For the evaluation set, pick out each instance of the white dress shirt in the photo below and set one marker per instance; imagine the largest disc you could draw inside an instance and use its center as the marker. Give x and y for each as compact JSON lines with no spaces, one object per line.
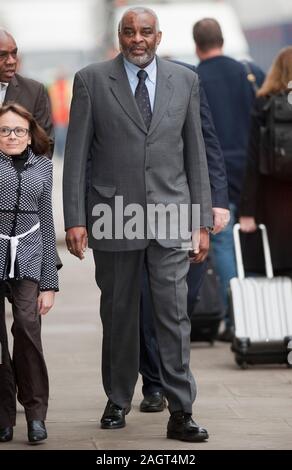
{"x":3,"y":89}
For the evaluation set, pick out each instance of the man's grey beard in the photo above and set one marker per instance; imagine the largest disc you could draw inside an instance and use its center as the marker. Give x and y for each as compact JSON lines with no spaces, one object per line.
{"x":140,"y":60}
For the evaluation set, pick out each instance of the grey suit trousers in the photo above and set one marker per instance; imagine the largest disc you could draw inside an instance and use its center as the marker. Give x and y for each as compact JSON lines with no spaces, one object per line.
{"x":119,"y":277}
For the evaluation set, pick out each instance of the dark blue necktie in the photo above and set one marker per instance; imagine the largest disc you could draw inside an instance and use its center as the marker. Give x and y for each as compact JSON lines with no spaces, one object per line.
{"x":142,"y":98}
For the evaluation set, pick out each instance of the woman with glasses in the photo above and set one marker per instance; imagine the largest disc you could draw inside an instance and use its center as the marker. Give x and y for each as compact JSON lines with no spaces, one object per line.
{"x":27,"y":263}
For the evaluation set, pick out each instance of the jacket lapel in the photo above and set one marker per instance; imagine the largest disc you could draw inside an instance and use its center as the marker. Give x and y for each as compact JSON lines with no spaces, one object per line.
{"x":163,"y":94}
{"x":31,"y":158}
{"x":121,"y":89}
{"x":13,"y":91}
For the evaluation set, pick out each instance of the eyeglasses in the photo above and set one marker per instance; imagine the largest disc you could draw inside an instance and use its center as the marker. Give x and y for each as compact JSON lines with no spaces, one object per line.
{"x":18,"y":131}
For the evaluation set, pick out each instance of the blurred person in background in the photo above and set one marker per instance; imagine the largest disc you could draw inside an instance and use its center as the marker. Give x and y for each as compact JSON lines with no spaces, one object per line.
{"x":27,"y":263}
{"x":230,"y":96}
{"x":60,"y":96}
{"x":267,"y":191}
{"x":27,"y":92}
{"x":152,"y":389}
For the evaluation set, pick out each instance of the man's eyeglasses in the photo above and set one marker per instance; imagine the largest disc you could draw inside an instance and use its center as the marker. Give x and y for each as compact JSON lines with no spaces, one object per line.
{"x":18,"y":131}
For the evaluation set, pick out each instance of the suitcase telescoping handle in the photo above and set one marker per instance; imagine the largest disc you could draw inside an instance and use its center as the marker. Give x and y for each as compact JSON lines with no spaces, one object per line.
{"x":238,"y":252}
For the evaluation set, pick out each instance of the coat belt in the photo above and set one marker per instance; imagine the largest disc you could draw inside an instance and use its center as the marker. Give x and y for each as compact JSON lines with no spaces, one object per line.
{"x":13,"y":246}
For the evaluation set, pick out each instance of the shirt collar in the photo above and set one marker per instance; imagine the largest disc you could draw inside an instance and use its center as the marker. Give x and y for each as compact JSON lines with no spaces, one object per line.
{"x":3,"y":86}
{"x":132,"y":69}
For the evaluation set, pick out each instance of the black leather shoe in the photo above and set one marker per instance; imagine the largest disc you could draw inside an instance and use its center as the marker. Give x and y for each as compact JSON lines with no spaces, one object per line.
{"x":182,"y":427}
{"x":226,"y":336}
{"x":36,"y":431}
{"x":6,"y":434}
{"x":153,"y":402}
{"x":113,"y":416}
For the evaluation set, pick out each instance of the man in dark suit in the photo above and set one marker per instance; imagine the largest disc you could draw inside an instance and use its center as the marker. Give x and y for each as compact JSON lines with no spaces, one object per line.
{"x":152,"y":389}
{"x":28,"y":93}
{"x":141,"y":129}
{"x":231,"y":95}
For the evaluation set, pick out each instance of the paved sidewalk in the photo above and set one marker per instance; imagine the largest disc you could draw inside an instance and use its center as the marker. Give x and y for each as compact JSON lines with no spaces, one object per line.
{"x":241,"y":409}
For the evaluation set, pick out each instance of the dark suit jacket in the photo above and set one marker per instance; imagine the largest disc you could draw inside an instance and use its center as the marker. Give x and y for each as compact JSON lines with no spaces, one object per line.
{"x":231,"y":97}
{"x":32,"y":95}
{"x":215,"y":159}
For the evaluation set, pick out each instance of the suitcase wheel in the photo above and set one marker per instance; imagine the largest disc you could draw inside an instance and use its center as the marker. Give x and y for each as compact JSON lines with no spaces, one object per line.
{"x":241,"y":363}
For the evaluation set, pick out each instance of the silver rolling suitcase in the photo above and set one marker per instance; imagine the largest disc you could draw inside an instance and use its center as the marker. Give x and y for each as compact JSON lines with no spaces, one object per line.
{"x":262,"y":312}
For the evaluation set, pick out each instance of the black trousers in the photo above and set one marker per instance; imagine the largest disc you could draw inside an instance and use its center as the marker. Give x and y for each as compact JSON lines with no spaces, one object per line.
{"x":149,"y":352}
{"x":26,"y":373}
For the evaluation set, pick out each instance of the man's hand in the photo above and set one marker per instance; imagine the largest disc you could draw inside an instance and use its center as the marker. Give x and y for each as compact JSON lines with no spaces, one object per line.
{"x":221,"y":218}
{"x":45,"y":301}
{"x":248,"y":224}
{"x":76,"y":240}
{"x":200,"y":243}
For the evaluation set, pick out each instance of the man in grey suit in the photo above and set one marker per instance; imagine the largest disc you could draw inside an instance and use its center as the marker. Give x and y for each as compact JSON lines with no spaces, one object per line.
{"x":135,"y":122}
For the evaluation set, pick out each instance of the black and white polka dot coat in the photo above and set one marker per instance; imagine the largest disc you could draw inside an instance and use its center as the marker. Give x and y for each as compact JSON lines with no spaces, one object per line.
{"x":25,"y":200}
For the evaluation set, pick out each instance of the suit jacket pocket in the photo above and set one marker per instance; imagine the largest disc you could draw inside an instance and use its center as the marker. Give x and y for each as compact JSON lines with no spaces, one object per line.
{"x":184,"y":182}
{"x":105,"y":191}
{"x":176,"y":111}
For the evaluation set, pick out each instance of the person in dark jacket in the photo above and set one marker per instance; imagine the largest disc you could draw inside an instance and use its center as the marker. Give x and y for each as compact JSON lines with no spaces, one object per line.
{"x":265,"y":198}
{"x":231,"y":97}
{"x":154,"y":399}
{"x":29,"y":93}
{"x":27,"y":263}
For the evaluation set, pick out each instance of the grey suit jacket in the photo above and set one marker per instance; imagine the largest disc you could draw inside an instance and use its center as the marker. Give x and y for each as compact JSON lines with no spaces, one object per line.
{"x":165,"y":165}
{"x":32,"y":95}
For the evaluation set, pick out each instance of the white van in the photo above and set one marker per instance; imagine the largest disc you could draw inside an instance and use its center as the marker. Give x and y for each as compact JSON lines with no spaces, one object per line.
{"x":176,"y":23}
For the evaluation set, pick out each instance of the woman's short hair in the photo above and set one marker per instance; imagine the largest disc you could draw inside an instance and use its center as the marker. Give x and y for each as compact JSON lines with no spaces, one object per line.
{"x":40,"y":143}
